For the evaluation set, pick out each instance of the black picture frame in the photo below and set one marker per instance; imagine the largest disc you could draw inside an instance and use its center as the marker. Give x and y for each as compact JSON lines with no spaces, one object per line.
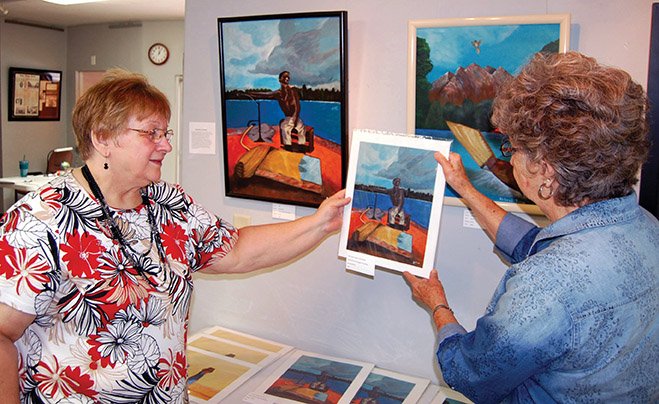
{"x":303,"y":166}
{"x":649,"y":192}
{"x":34,"y":94}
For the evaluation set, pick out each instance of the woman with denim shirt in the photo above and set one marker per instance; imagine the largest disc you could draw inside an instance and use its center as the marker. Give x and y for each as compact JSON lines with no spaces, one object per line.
{"x":574,"y":318}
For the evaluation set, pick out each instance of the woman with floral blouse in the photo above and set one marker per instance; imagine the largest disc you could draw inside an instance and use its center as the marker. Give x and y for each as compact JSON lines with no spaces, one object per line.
{"x":96,"y":267}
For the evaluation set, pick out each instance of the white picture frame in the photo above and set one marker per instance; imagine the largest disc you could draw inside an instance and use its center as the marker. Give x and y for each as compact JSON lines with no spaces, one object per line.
{"x":220,"y":360}
{"x":397,"y":387}
{"x":373,"y":232}
{"x":306,"y":376}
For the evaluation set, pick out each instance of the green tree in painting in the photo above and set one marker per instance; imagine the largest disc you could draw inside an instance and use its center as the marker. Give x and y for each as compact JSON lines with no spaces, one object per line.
{"x":423,"y":67}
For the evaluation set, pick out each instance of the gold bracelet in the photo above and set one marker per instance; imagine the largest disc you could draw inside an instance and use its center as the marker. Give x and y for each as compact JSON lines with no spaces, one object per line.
{"x":441,"y":306}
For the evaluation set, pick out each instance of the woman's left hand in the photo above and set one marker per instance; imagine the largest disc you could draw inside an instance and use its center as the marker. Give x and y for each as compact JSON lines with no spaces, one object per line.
{"x":330,"y":212}
{"x":429,"y":292}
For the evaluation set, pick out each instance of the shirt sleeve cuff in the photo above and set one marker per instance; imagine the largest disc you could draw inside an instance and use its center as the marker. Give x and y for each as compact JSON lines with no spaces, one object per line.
{"x":449,"y":330}
{"x":511,"y":231}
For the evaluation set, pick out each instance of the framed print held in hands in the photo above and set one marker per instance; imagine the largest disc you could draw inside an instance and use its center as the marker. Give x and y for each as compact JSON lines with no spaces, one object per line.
{"x":34,"y":95}
{"x":284,"y":106}
{"x":455,"y":68}
{"x":397,"y":192}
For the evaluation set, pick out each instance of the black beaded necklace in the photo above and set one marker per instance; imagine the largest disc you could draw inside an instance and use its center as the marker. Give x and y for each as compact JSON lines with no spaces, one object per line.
{"x":126,"y":249}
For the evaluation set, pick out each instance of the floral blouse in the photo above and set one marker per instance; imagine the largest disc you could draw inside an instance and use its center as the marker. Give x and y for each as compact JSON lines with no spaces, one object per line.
{"x":104,"y":331}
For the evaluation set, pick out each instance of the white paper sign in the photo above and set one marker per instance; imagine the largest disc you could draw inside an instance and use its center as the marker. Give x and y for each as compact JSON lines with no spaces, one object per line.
{"x":284,"y":212}
{"x":202,"y":138}
{"x":360,"y":264}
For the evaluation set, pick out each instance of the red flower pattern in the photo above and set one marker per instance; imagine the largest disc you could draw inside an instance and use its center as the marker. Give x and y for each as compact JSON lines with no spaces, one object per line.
{"x":62,"y":381}
{"x":104,"y":297}
{"x":171,"y":370}
{"x":81,"y":253}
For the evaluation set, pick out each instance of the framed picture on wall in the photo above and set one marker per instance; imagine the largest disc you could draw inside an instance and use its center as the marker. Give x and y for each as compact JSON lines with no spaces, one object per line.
{"x":34,"y":95}
{"x":284,"y":106}
{"x":397,"y":191}
{"x":455,"y":68}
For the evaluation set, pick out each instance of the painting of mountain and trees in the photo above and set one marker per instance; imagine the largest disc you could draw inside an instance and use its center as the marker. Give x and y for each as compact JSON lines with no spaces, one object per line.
{"x":455,"y":72}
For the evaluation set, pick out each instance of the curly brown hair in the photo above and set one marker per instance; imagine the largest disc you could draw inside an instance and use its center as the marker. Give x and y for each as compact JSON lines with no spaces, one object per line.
{"x":106,"y":107}
{"x":586,"y":120}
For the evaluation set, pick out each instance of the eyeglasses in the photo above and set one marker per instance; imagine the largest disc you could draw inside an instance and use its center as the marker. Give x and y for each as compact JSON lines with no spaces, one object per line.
{"x":507,"y":148}
{"x":156,"y":134}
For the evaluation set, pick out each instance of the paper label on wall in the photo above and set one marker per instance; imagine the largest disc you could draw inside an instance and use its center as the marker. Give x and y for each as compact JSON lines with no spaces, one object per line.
{"x":283,"y":212}
{"x":202,"y":138}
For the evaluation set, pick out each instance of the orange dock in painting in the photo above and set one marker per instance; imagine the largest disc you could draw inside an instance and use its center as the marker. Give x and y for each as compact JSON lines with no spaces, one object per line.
{"x":364,"y":237}
{"x":268,"y":186}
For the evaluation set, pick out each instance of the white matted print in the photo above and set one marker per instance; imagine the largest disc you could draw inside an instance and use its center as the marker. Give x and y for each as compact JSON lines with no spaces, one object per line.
{"x":446,"y":395}
{"x":397,"y":191}
{"x":221,"y":359}
{"x":308,"y":377}
{"x":212,"y":377}
{"x":248,"y":340}
{"x":390,"y":387}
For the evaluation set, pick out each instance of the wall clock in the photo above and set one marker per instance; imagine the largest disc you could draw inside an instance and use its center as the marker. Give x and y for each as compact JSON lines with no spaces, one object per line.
{"x":158,"y":54}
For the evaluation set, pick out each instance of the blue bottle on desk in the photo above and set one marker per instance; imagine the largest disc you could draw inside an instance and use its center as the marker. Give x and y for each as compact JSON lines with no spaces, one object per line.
{"x":24,"y":166}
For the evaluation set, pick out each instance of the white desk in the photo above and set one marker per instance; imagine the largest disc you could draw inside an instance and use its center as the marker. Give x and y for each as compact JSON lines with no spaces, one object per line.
{"x":22,"y":185}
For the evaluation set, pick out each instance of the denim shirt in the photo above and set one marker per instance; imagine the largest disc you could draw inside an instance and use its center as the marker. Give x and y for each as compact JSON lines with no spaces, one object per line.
{"x":574,"y":319}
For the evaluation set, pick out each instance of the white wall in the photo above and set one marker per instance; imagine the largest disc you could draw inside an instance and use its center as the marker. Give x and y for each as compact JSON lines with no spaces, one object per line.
{"x":70,"y":50}
{"x":36,"y":48}
{"x":127,"y":47}
{"x":313,"y":303}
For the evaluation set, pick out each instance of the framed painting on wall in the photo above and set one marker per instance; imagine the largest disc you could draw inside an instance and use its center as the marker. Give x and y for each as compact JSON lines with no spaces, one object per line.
{"x":397,"y":192}
{"x":455,"y":68}
{"x":34,"y":94}
{"x":284,"y":106}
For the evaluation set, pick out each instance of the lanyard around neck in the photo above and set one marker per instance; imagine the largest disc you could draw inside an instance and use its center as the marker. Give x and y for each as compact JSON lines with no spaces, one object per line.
{"x":117,"y":235}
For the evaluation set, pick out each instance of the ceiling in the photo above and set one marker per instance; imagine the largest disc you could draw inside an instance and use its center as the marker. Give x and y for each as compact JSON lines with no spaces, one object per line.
{"x":107,"y":11}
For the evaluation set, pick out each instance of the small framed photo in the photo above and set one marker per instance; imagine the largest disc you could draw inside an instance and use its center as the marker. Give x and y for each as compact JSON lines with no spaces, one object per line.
{"x":308,"y":377}
{"x":284,"y":105}
{"x":390,"y":387}
{"x":397,"y":191}
{"x":455,"y":68}
{"x":34,"y":94}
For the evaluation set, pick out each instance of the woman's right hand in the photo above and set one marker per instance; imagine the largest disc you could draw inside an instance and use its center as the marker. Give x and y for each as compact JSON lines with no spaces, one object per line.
{"x":454,"y":171}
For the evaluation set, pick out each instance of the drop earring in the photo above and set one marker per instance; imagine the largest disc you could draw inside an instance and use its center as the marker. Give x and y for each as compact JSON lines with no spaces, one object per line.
{"x":105,"y":165}
{"x":546,"y":190}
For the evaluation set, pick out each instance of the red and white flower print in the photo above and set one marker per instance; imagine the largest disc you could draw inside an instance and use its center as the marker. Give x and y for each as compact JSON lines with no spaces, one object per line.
{"x":104,"y":333}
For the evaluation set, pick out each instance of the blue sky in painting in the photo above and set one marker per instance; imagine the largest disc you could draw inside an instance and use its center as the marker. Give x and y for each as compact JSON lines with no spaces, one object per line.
{"x":255,"y":52}
{"x":379,"y":164}
{"x":507,"y":46}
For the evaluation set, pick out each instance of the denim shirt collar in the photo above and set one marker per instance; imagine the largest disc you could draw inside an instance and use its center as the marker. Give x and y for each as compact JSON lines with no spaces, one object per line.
{"x":593,"y":215}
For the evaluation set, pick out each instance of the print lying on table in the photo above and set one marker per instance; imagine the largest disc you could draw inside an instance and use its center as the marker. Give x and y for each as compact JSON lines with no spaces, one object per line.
{"x":385,"y":387}
{"x":397,"y":190}
{"x":220,"y":360}
{"x":312,"y":378}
